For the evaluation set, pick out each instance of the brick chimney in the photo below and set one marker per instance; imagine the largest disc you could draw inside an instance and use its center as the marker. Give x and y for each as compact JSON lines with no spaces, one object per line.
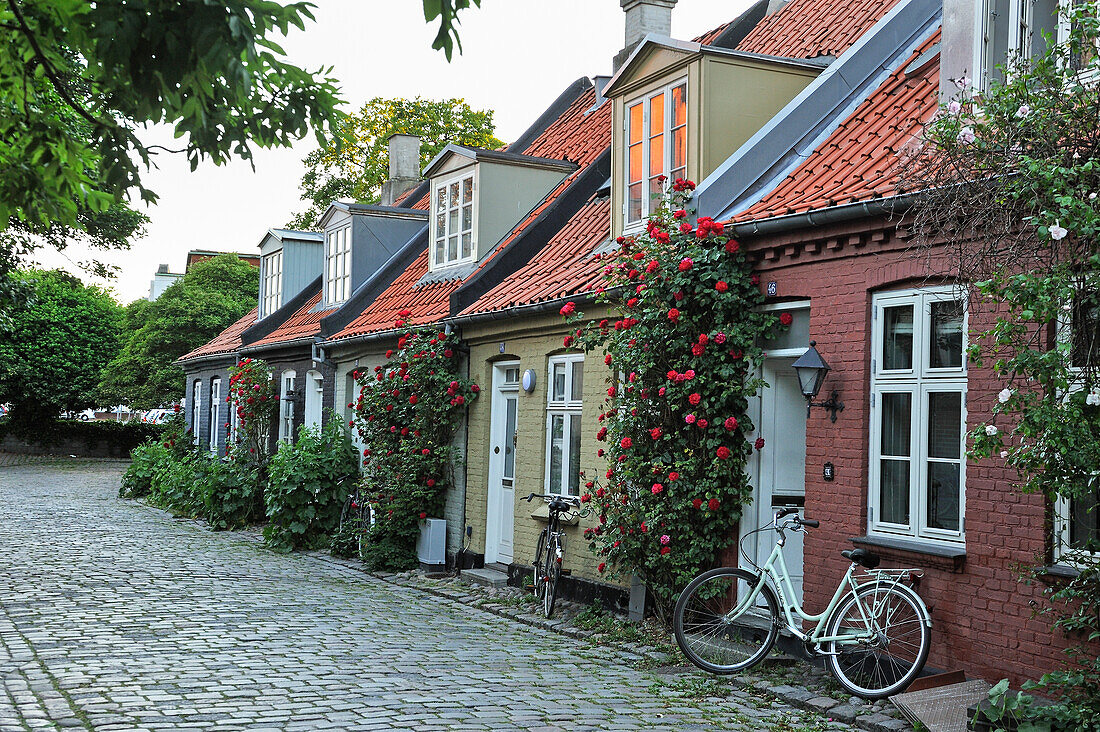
{"x":642,"y":18}
{"x":404,"y":167}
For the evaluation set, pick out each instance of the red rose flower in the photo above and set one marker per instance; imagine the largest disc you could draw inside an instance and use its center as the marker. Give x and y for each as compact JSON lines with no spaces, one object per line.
{"x":607,"y":359}
{"x":475,"y":388}
{"x":405,"y":313}
{"x":685,"y":228}
{"x":657,"y":488}
{"x":673,"y":476}
{"x":666,"y":549}
{"x":732,"y":246}
{"x":632,"y":302}
{"x":655,"y":433}
{"x":431,"y":482}
{"x":759,"y":444}
{"x":423,"y":515}
{"x":697,"y":503}
{"x":601,"y":567}
{"x":685,"y":264}
{"x":679,"y":214}
{"x":425,"y":451}
{"x":785,"y":318}
{"x":413,"y":399}
{"x":586,"y":498}
{"x":731,"y":423}
{"x":567,"y":341}
{"x":698,"y":349}
{"x":723,"y":453}
{"x":602,"y":434}
{"x":626,"y":443}
{"x":568,"y":308}
{"x":673,"y":315}
{"x":695,"y":399}
{"x":713,"y":504}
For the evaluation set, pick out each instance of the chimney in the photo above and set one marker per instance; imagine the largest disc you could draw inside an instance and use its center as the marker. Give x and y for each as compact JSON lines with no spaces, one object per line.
{"x":404,"y":167}
{"x":162,"y":269}
{"x":642,"y":18}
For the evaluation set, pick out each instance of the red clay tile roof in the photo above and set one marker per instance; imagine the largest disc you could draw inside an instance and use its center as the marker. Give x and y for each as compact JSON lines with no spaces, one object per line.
{"x":575,"y":135}
{"x":712,"y":35}
{"x":810,"y":28}
{"x":305,"y":322}
{"x":228,"y":341}
{"x":859,"y":160}
{"x":564,"y":267}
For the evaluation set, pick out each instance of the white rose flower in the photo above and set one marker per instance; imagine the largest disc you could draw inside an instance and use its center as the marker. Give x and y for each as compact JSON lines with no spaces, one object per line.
{"x":1004,"y":395}
{"x":1093,"y":399}
{"x":1057,"y":232}
{"x":966,"y":135}
{"x":954,"y":107}
{"x":1023,"y":111}
{"x":991,"y":429}
{"x":1004,"y":454}
{"x":1092,"y":196}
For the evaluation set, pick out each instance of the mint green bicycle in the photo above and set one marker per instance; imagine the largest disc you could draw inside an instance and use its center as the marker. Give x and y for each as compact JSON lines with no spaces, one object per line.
{"x":875,"y":634}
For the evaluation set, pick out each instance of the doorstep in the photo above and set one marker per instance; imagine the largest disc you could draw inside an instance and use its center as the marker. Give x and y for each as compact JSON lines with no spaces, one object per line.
{"x":487,"y":576}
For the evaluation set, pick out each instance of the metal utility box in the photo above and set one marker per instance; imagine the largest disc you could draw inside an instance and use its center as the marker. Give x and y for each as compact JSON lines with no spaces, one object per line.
{"x":431,"y":547}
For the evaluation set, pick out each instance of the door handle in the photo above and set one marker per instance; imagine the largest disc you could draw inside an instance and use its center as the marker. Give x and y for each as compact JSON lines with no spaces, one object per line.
{"x":496,"y":450}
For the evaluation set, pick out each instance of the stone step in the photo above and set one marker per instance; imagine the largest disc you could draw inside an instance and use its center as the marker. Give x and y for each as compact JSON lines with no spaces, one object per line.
{"x":487,"y":577}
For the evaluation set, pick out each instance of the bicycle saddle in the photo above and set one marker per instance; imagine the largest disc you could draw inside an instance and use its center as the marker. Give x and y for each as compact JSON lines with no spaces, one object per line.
{"x":862,"y":557}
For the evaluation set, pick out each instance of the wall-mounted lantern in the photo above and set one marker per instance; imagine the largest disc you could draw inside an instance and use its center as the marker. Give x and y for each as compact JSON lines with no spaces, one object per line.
{"x":812,"y":369}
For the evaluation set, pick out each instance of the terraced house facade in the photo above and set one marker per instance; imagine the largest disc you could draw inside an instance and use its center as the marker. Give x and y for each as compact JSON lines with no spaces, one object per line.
{"x":791,"y":118}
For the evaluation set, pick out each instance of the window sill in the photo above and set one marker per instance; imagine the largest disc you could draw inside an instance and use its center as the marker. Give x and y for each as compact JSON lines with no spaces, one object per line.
{"x":938,"y":556}
{"x":1058,"y":572}
{"x":542,"y":513}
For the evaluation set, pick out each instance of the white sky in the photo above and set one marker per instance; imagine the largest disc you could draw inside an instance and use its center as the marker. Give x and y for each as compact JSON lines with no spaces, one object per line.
{"x":518,"y":56}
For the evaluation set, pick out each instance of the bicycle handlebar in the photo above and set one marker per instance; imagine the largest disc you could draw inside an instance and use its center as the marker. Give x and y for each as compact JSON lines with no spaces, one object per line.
{"x":572,"y":500}
{"x":799,"y":521}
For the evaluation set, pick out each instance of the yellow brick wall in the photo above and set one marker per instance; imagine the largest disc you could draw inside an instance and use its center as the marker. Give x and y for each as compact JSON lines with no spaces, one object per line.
{"x":531,"y":341}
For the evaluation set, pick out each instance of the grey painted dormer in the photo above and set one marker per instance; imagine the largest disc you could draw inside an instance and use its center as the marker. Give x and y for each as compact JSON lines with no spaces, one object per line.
{"x":289,"y":261}
{"x":358,"y":239}
{"x":477,"y":197}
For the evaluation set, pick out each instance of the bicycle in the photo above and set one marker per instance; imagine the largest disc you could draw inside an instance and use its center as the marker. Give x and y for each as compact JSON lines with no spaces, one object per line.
{"x":548,"y":569}
{"x":356,"y":518}
{"x":875,"y":633}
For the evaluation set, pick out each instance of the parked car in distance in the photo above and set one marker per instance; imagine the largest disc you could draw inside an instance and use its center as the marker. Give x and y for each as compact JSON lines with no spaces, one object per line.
{"x":82,"y":416}
{"x":157,"y":416}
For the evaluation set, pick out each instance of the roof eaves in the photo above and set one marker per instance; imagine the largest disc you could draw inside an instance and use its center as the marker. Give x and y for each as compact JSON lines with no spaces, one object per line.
{"x":449,"y":149}
{"x":651,"y":39}
{"x":755,"y":168}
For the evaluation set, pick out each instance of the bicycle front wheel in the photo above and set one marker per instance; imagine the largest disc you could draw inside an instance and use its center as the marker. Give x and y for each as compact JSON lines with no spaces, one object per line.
{"x":890,"y":640}
{"x":552,"y":575}
{"x":541,"y":551}
{"x":720,"y":626}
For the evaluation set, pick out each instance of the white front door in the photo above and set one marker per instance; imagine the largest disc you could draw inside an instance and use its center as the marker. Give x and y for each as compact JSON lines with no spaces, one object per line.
{"x":780,"y":472}
{"x":500,"y":513}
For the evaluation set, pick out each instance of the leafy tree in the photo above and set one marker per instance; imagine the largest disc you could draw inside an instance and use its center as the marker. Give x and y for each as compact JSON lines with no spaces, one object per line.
{"x":51,"y":357}
{"x":211,"y":296}
{"x":1009,"y":182}
{"x":78,"y":80}
{"x":354,"y":161}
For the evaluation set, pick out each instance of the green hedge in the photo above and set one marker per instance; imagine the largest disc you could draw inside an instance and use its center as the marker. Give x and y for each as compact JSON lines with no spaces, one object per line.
{"x":104,"y":439}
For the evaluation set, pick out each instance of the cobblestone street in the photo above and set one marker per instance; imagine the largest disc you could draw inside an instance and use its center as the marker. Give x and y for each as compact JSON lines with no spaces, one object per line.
{"x":115,"y":616}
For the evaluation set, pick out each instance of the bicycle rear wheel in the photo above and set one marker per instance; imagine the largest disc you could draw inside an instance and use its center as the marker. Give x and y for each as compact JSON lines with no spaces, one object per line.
{"x":710,"y":630}
{"x":552,"y":575}
{"x":540,"y":567}
{"x":890,"y":640}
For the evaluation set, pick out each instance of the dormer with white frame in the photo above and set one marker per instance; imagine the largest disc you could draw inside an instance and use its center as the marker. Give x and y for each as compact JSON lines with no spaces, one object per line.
{"x":477,"y":197}
{"x":358,"y":239}
{"x":289,"y":261}
{"x":682,"y":108}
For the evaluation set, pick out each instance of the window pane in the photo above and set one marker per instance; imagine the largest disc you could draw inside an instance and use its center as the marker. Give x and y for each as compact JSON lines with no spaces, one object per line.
{"x":558,"y":392}
{"x":452,"y":223}
{"x":679,"y":105}
{"x":943,"y":496}
{"x":454,"y":196}
{"x":635,"y":163}
{"x":945,"y":425}
{"x":439,"y":253}
{"x":656,"y":155}
{"x":634,"y":202}
{"x":894,"y":495}
{"x":897,"y":338}
{"x":1044,"y":18}
{"x":467,"y":245}
{"x":897,"y":410}
{"x":1086,"y":331}
{"x":635,"y":133}
{"x":467,"y":218}
{"x":509,"y":438}
{"x":441,"y":199}
{"x":656,"y":115}
{"x":1084,"y":528}
{"x":440,"y":226}
{"x":574,"y":454}
{"x":468,"y":190}
{"x":945,"y":342}
{"x":557,"y":441}
{"x":452,"y":249}
{"x":576,"y":389}
{"x":679,"y":148}
{"x":997,"y":23}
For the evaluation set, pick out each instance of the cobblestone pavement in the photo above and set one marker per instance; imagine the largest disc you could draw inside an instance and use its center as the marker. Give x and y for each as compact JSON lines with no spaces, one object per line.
{"x":115,"y":616}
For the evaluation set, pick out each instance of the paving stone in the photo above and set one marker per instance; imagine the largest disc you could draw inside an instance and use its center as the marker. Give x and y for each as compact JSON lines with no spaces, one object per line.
{"x":116,"y":616}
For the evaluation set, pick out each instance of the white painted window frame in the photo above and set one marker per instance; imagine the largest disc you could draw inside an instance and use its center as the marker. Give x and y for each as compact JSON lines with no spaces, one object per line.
{"x":287,"y":381}
{"x":445,"y":183}
{"x":919,"y":381}
{"x":196,"y":412}
{"x":630,"y":225}
{"x":272,"y":297}
{"x":565,"y":408}
{"x":1019,"y":40}
{"x":215,"y":413}
{"x":337,"y":264}
{"x":315,"y":386}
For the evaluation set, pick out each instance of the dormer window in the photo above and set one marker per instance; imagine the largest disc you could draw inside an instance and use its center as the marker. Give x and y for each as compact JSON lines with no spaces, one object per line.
{"x":1012,"y":29}
{"x":272,"y":296}
{"x":656,"y":139}
{"x":337,"y":265}
{"x":453,"y":204}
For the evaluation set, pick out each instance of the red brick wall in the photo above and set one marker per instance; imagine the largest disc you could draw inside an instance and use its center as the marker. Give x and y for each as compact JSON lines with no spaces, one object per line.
{"x":982,"y":612}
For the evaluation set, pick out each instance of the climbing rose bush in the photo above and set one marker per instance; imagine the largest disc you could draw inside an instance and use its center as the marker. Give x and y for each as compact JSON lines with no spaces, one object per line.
{"x":253,"y":396}
{"x":407,"y":413}
{"x":684,"y":351}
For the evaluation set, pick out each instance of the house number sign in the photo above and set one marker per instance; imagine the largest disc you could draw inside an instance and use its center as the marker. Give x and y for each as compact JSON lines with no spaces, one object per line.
{"x":828,"y":472}
{"x":773,"y":289}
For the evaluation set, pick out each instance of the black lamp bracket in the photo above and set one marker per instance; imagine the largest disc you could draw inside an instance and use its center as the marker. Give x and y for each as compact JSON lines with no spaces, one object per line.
{"x":832,"y":405}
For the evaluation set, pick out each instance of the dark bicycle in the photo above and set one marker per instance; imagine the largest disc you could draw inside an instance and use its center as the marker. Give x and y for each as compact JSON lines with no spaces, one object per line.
{"x":550,"y":549}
